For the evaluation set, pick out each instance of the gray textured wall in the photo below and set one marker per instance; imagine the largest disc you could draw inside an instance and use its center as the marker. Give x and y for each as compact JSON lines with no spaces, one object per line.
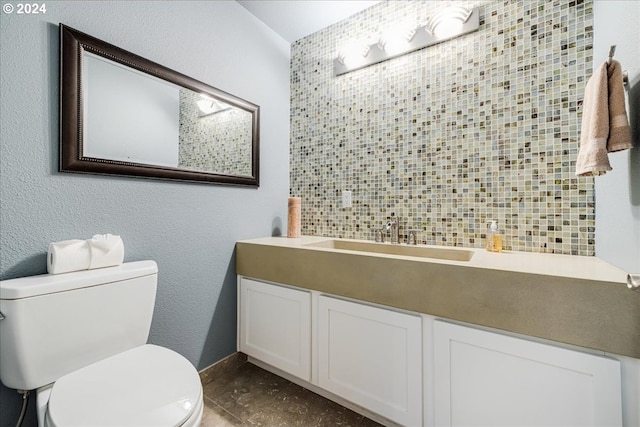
{"x":189,"y":229}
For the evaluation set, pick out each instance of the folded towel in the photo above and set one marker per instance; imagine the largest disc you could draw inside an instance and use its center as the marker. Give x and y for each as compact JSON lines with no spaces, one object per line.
{"x":604,"y":121}
{"x":619,"y":130}
{"x":102,"y":250}
{"x":68,"y":255}
{"x":105,"y":250}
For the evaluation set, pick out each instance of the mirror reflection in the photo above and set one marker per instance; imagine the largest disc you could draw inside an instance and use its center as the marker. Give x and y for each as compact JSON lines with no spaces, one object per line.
{"x":131,"y":116}
{"x":214,"y":136}
{"x":134,"y":117}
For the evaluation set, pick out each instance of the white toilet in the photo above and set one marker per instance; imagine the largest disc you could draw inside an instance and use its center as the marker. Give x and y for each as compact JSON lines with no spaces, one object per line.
{"x":80,"y":339}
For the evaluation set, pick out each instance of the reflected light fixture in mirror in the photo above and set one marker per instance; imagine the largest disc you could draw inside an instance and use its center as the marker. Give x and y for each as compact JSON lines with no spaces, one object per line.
{"x":208,"y":106}
{"x":448,"y":23}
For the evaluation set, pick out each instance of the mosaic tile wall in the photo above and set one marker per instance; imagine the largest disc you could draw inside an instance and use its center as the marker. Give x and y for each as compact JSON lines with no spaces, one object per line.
{"x":219,"y":142}
{"x":447,"y":138}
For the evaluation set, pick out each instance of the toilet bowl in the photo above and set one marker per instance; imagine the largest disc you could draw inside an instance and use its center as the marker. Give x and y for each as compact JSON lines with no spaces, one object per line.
{"x":79,"y":339}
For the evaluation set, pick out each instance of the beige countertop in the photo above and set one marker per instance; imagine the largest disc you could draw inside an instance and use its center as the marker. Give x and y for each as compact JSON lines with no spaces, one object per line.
{"x":576,"y":300}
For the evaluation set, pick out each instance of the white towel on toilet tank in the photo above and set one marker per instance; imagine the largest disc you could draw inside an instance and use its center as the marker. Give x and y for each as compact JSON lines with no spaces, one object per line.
{"x":68,"y":255}
{"x":105,"y":250}
{"x":102,"y":250}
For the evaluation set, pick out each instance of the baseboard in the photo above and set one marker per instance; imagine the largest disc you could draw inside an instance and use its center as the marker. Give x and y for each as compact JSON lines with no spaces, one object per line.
{"x":227,"y":365}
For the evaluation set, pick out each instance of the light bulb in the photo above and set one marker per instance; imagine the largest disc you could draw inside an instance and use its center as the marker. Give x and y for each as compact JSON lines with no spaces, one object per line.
{"x":396,"y":40}
{"x":448,"y":22}
{"x":353,"y":54}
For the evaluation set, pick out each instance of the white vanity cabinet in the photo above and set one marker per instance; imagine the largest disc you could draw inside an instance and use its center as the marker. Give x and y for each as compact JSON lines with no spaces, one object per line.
{"x":274,"y":325}
{"x":417,"y":370}
{"x":371,"y":356}
{"x":485,"y":378}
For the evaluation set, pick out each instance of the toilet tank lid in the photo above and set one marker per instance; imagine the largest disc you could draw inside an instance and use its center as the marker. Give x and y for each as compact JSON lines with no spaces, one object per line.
{"x":25,"y":287}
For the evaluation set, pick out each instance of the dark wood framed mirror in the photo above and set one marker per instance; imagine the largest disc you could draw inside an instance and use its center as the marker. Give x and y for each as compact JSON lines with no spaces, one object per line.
{"x":121,"y":114}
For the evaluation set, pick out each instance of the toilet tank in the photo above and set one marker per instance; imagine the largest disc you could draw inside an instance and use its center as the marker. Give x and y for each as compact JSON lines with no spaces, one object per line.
{"x":56,"y":324}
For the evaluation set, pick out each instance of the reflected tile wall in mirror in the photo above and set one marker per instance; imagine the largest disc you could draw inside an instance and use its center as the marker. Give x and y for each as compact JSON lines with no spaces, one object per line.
{"x":218,"y":142}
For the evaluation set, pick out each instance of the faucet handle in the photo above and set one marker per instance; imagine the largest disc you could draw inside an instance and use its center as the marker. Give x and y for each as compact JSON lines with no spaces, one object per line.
{"x":412,"y":237}
{"x":379,"y":235}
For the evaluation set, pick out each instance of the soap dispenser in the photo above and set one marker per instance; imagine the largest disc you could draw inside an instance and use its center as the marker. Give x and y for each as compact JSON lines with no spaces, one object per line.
{"x":494,"y":238}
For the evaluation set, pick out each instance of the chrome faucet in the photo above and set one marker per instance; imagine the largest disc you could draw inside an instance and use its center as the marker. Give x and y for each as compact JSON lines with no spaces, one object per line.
{"x":393,"y":228}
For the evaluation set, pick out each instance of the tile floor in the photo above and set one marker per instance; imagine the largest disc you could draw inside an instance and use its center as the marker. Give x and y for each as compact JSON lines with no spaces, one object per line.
{"x":251,"y":396}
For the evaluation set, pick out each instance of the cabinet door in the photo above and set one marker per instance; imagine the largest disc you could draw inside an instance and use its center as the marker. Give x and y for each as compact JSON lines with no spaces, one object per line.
{"x":372,"y":357}
{"x":275,"y":326}
{"x":489,"y":379}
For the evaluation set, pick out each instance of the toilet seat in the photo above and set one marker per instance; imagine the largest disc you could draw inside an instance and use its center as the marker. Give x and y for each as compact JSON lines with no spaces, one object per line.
{"x":144,"y":386}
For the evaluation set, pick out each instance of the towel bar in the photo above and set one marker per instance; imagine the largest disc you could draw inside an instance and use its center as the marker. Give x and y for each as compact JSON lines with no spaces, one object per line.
{"x":625,"y":74}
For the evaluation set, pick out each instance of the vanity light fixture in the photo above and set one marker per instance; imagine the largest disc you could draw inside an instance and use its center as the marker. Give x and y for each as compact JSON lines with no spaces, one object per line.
{"x":396,"y":40}
{"x":208,"y":106}
{"x":448,"y":23}
{"x":353,"y":55}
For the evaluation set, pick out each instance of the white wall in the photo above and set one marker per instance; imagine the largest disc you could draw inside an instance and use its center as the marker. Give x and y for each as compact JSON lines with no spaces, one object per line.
{"x":189,"y":229}
{"x":618,"y":192}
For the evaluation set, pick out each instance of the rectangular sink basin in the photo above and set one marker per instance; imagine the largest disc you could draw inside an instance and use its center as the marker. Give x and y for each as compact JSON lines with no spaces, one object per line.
{"x":391,"y":249}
